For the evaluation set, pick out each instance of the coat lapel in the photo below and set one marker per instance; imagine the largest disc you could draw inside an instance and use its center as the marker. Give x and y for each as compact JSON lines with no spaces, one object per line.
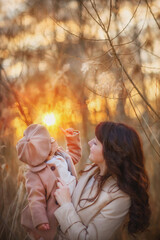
{"x":47,"y":176}
{"x":51,"y":179}
{"x":81,"y":185}
{"x":38,"y":168}
{"x":104,"y":198}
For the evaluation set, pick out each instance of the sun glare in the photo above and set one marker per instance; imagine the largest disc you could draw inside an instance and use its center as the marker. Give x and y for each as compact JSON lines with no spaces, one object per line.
{"x":49,"y":119}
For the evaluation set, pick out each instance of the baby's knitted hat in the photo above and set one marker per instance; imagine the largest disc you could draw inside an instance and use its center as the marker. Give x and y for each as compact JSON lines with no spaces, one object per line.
{"x":35,"y":146}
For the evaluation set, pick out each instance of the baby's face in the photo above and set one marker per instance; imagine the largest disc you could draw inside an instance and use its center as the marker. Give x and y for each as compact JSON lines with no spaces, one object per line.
{"x":54,"y":146}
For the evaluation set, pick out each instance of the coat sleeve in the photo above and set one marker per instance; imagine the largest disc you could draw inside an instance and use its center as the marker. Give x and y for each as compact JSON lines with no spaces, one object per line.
{"x":36,"y":198}
{"x":74,"y":146}
{"x":101,"y":227}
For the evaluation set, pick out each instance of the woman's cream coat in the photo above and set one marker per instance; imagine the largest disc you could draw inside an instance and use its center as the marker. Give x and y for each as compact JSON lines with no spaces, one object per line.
{"x":98,"y":221}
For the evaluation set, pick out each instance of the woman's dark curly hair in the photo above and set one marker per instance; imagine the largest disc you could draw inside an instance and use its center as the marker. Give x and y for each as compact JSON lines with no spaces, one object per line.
{"x":122,"y":150}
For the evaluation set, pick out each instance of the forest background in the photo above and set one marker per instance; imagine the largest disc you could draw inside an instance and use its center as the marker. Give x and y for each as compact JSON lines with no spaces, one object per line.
{"x":73,"y":64}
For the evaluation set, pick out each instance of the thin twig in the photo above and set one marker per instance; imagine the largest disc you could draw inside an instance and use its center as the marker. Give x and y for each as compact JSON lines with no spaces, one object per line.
{"x":153,"y":54}
{"x":91,"y":39}
{"x":152,"y":14}
{"x":134,"y":109}
{"x":14,"y":93}
{"x":77,"y":36}
{"x":137,"y":35}
{"x":130,"y":79}
{"x":131,"y":102}
{"x":128,"y":21}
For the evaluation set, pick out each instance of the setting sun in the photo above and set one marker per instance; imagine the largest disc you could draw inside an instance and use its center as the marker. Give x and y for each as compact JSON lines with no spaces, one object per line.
{"x":49,"y":119}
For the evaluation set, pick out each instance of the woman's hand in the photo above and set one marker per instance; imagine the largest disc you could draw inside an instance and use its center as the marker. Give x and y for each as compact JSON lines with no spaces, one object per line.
{"x":62,"y":193}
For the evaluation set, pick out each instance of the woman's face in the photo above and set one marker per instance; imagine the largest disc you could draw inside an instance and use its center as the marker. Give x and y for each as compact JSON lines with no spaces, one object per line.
{"x":96,"y":148}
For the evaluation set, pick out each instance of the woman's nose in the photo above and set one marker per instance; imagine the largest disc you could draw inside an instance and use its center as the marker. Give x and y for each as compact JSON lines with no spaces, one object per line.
{"x":90,"y":143}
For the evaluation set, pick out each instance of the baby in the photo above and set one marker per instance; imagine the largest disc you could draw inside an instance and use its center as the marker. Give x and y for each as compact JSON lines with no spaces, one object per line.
{"x":46,"y":161}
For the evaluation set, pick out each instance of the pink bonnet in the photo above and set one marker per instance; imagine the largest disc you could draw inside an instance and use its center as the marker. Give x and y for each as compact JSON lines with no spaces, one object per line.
{"x":35,"y":146}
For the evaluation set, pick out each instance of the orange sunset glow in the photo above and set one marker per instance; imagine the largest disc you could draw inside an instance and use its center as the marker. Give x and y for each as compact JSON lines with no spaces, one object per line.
{"x":74,"y":64}
{"x":49,"y":119}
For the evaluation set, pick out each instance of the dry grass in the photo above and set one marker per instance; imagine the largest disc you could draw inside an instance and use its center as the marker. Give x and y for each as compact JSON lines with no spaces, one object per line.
{"x":12,"y":194}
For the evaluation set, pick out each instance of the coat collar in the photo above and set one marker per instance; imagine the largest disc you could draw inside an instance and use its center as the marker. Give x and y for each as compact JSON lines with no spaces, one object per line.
{"x":109,"y":186}
{"x":38,"y":168}
{"x":81,"y":185}
{"x":71,"y":166}
{"x":47,"y":176}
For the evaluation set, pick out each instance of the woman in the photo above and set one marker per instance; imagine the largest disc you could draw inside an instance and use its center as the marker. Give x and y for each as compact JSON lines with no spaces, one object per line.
{"x":111,"y":191}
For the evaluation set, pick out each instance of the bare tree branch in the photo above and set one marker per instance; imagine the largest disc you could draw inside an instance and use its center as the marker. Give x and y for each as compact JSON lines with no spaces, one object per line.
{"x":75,"y":35}
{"x":134,"y":13}
{"x":152,"y":14}
{"x":14,"y":93}
{"x":145,"y":132}
{"x":123,"y":68}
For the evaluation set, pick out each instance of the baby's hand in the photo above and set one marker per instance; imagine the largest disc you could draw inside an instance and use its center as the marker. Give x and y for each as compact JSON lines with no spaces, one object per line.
{"x":69,"y":132}
{"x":43,"y":226}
